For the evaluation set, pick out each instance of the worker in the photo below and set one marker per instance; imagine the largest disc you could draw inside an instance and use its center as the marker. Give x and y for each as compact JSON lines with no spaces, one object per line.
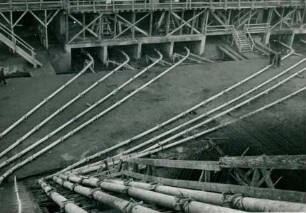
{"x":2,"y":77}
{"x":278,"y":60}
{"x":272,"y":58}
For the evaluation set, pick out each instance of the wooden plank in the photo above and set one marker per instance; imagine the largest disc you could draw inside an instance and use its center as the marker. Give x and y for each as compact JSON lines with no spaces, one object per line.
{"x":247,"y":191}
{"x":183,"y":164}
{"x":263,"y":161}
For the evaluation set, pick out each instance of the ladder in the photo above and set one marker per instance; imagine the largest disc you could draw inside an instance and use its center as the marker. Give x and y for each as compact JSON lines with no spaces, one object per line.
{"x":241,"y":41}
{"x":17,"y":45}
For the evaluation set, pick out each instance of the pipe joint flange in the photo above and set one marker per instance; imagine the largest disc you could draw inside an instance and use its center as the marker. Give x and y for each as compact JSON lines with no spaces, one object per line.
{"x":153,"y":186}
{"x":64,"y":203}
{"x":160,"y":145}
{"x":127,"y":182}
{"x":128,"y":208}
{"x":50,"y":191}
{"x":182,"y":204}
{"x":233,"y":200}
{"x":82,"y":179}
{"x":101,"y":180}
{"x":73,"y":186}
{"x":93,"y":191}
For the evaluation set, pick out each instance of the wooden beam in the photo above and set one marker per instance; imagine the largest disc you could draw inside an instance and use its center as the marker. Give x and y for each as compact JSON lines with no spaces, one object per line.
{"x":263,"y":193}
{"x":263,"y":161}
{"x":183,"y":164}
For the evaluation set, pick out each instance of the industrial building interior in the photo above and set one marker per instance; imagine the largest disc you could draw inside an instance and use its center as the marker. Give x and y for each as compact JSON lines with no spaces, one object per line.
{"x":146,"y":106}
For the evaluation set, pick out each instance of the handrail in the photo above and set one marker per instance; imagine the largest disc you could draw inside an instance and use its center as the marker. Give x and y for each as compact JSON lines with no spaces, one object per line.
{"x":15,"y":38}
{"x":235,"y":34}
{"x":250,"y":37}
{"x":133,"y":5}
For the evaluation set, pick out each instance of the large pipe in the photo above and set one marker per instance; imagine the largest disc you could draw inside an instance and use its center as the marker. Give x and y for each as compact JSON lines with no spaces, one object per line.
{"x":229,"y":110}
{"x":176,"y":143}
{"x":62,"y":108}
{"x":101,"y":164}
{"x":245,"y":94}
{"x":77,"y":129}
{"x":75,"y":118}
{"x":178,"y":203}
{"x":29,"y":113}
{"x":60,"y":200}
{"x":98,"y":195}
{"x":17,"y":195}
{"x":236,"y":201}
{"x":159,"y":126}
{"x":119,"y":145}
{"x":161,"y":143}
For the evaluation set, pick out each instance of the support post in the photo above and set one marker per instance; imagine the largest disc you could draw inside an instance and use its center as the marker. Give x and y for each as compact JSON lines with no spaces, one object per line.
{"x":103,"y":54}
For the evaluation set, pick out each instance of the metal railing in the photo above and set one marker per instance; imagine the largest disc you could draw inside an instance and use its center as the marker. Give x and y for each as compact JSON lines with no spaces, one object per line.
{"x":115,"y":5}
{"x":16,"y":40}
{"x":257,"y":28}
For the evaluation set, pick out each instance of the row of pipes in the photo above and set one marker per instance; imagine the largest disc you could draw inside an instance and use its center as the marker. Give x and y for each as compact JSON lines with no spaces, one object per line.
{"x":140,"y":190}
{"x":86,"y":123}
{"x":171,"y":120}
{"x":214,"y":202}
{"x":160,"y":144}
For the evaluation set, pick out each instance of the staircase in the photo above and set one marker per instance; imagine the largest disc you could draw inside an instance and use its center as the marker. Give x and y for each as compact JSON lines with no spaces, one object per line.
{"x":241,"y":41}
{"x":18,"y":45}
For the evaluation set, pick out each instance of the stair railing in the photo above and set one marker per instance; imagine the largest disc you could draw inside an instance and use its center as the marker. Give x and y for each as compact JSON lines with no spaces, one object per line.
{"x":236,"y":39}
{"x":16,"y":40}
{"x":250,"y":38}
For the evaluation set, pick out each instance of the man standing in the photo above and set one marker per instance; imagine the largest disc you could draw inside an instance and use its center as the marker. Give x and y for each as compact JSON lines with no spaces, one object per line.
{"x":2,"y":77}
{"x":278,"y":59}
{"x":272,"y":58}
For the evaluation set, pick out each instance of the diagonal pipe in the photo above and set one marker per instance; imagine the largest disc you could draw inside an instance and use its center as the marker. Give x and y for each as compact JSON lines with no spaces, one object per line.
{"x":154,"y":139}
{"x":102,"y":197}
{"x":160,"y":145}
{"x":159,"y":126}
{"x":40,"y":141}
{"x":176,"y":203}
{"x":227,"y":111}
{"x":61,"y":201}
{"x":62,"y":108}
{"x":34,"y":109}
{"x":94,"y":118}
{"x":249,"y":203}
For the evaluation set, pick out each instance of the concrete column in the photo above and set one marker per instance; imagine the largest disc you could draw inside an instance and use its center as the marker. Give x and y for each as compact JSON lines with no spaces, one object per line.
{"x":60,"y":27}
{"x":64,"y":62}
{"x":291,"y":39}
{"x":136,"y":51}
{"x":167,"y":49}
{"x":199,"y":46}
{"x":103,"y":54}
{"x":266,"y":39}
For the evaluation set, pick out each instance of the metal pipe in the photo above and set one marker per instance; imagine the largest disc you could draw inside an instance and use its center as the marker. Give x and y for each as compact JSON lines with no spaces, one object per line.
{"x":119,"y":145}
{"x":161,"y":143}
{"x":29,"y":113}
{"x":236,"y":201}
{"x":177,"y":203}
{"x":128,"y":141}
{"x":220,"y":107}
{"x":101,"y":164}
{"x":69,"y":134}
{"x":60,"y":200}
{"x":134,"y":148}
{"x":17,"y":195}
{"x":115,"y":202}
{"x":46,"y":120}
{"x":161,"y":148}
{"x":40,"y":141}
